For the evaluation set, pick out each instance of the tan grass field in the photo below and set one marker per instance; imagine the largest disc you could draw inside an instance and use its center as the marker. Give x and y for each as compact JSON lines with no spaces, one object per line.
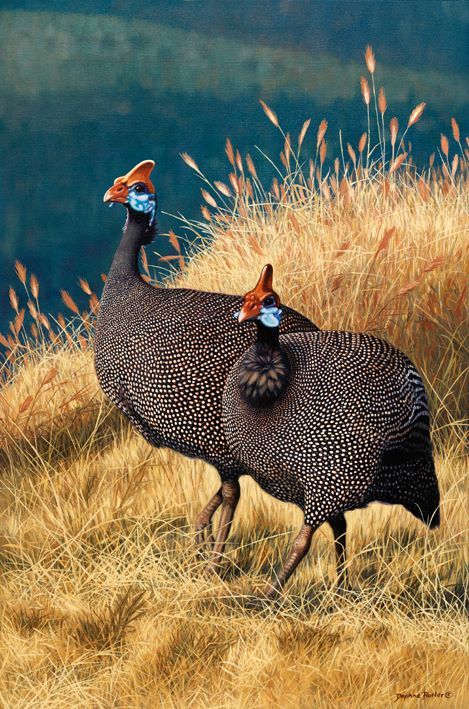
{"x":104,"y":599}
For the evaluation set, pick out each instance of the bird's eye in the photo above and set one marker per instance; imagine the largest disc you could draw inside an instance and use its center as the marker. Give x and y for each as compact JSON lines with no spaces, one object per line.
{"x":269,"y":301}
{"x":139,"y":188}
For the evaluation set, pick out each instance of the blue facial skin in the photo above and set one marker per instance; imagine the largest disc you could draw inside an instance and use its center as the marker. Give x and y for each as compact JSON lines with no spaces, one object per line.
{"x":270,"y":317}
{"x":141,"y":201}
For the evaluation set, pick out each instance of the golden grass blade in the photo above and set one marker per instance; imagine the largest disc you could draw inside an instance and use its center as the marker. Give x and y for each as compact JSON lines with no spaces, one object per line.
{"x":230,"y":152}
{"x":444,"y":145}
{"x":408,"y":287}
{"x":382,"y":103}
{"x":394,"y":128}
{"x":323,"y":152}
{"x":303,"y":131}
{"x":388,"y":234}
{"x":434,"y":263}
{"x":321,"y":132}
{"x":69,"y":302}
{"x":251,"y":167}
{"x":143,"y":257}
{"x":18,"y":322}
{"x":208,"y":198}
{"x":84,"y":285}
{"x":365,"y":89}
{"x":44,"y":320}
{"x":94,"y":304}
{"x":21,"y":272}
{"x":239,"y":161}
{"x":397,"y":163}
{"x":49,"y":376}
{"x":34,"y":285}
{"x":423,"y":189}
{"x":174,"y":241}
{"x":32,"y":310}
{"x":455,"y":128}
{"x":271,"y":115}
{"x":352,"y":154}
{"x":362,"y":143}
{"x":13,"y":299}
{"x":205,"y":213}
{"x":191,"y":162}
{"x":416,"y":114}
{"x":234,"y":182}
{"x":454,"y":166}
{"x":370,"y":59}
{"x":24,"y":406}
{"x":222,"y":188}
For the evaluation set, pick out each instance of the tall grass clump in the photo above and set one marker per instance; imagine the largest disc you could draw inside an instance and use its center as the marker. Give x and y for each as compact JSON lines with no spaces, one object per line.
{"x":104,"y":601}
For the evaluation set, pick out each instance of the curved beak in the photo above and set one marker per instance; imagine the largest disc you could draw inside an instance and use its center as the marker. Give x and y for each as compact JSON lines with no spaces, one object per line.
{"x":117,"y":193}
{"x":249,"y":311}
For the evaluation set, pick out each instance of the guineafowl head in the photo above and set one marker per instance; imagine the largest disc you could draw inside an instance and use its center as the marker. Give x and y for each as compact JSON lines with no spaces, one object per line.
{"x":135,"y":190}
{"x":262,"y":303}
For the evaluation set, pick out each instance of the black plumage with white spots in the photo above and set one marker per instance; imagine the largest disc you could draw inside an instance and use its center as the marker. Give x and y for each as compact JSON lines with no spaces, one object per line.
{"x":162,"y":355}
{"x":348,"y":424}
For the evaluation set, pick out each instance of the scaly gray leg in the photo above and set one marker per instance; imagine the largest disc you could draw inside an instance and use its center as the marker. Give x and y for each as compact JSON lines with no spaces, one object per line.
{"x":339,"y":527}
{"x":298,"y":551}
{"x":204,"y":518}
{"x":230,"y":492}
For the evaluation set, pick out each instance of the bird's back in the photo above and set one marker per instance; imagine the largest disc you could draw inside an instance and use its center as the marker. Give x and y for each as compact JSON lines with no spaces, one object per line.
{"x":351,"y":398}
{"x":163,"y":357}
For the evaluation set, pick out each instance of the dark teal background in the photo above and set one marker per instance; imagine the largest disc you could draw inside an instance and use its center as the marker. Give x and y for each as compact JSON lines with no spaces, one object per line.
{"x":87,"y":89}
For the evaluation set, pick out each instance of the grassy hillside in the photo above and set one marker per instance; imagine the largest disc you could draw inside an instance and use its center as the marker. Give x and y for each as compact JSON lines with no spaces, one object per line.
{"x":105,"y":602}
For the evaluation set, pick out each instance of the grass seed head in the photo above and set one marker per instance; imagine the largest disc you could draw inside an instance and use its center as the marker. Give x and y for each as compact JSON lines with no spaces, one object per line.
{"x":416,"y":114}
{"x":365,"y":89}
{"x":370,"y":59}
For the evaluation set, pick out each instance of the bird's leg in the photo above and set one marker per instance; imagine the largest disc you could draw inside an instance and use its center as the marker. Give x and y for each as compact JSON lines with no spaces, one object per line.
{"x":339,"y":528}
{"x":230,"y":492}
{"x":204,"y":518}
{"x":298,"y":551}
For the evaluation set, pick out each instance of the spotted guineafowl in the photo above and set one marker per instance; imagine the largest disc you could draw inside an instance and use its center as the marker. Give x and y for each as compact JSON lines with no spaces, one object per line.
{"x":330,"y":421}
{"x":162,"y":354}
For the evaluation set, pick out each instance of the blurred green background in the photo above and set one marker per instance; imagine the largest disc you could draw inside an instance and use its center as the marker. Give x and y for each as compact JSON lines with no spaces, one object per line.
{"x":89,"y":88}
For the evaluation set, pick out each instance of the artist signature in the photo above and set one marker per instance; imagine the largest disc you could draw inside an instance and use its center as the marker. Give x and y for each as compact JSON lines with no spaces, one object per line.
{"x":423,"y":695}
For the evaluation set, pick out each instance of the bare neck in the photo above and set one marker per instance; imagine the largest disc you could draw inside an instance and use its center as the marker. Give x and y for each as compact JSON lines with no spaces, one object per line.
{"x":267,"y":337}
{"x":137,"y":233}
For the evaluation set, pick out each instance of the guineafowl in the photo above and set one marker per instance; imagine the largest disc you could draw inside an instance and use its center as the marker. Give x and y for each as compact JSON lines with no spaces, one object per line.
{"x":162,"y":354}
{"x":330,"y":421}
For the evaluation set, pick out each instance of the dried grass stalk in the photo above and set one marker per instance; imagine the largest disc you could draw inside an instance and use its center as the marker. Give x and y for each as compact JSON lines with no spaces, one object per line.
{"x":455,"y":127}
{"x":191,"y":162}
{"x":370,"y":59}
{"x":20,"y":271}
{"x":416,"y":114}
{"x":444,"y":145}
{"x":397,"y":163}
{"x":394,"y":128}
{"x":362,"y":143}
{"x":382,"y":103}
{"x":303,"y":132}
{"x":84,"y":285}
{"x":365,"y":89}
{"x":271,"y":115}
{"x":321,"y":132}
{"x":69,"y":302}
{"x":34,"y":285}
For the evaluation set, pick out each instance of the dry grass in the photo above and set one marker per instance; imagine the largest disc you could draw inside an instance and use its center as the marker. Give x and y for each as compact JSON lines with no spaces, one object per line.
{"x":104,"y":601}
